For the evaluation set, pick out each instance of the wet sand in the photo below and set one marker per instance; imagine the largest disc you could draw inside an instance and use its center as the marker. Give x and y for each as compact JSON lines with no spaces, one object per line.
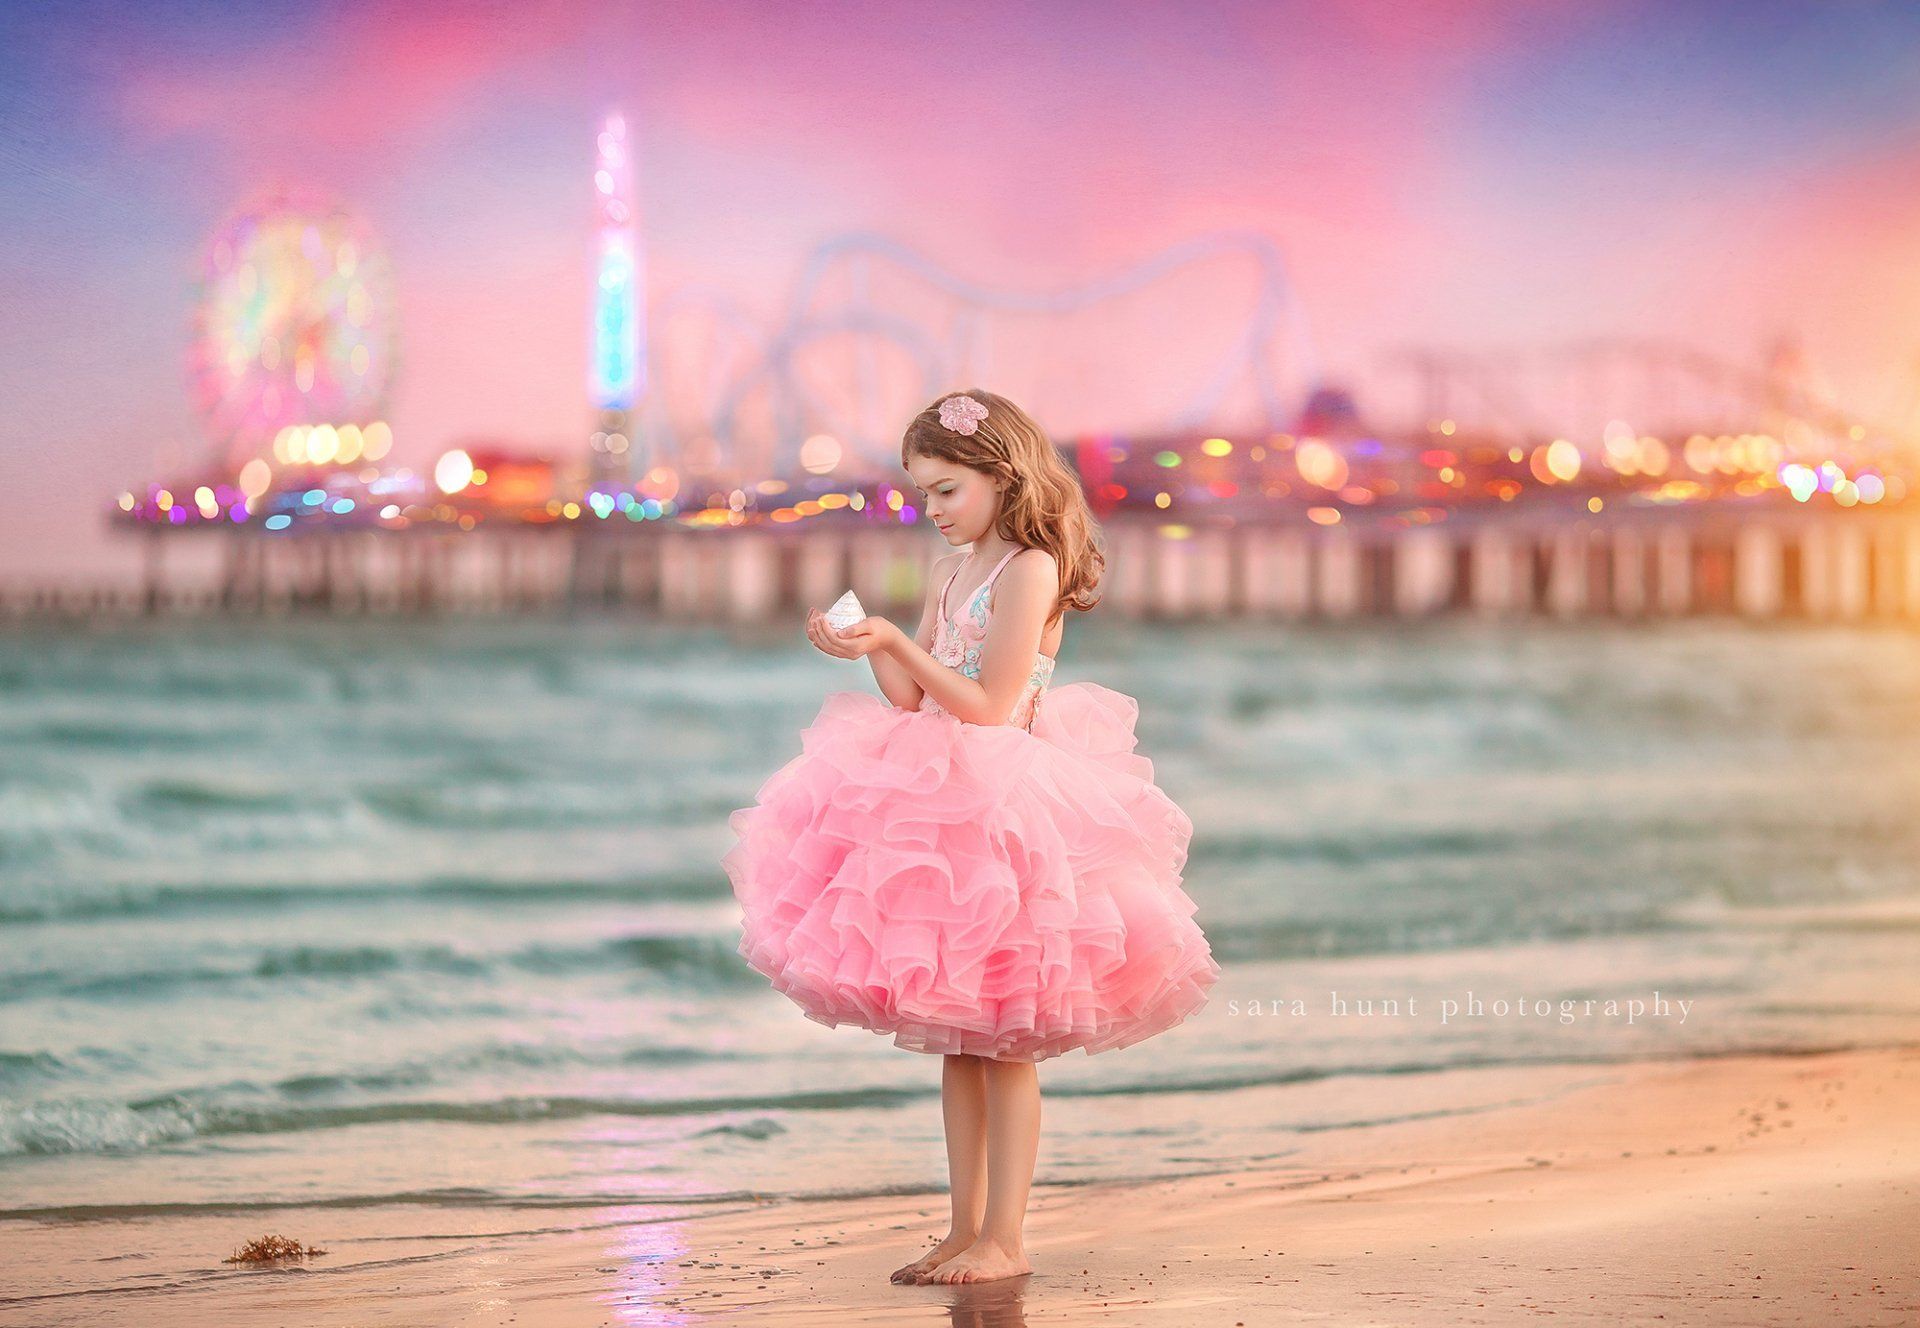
{"x":1735,"y":1190}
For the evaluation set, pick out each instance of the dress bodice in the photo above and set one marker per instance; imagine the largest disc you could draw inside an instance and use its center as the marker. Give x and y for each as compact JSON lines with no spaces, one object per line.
{"x":957,"y":638}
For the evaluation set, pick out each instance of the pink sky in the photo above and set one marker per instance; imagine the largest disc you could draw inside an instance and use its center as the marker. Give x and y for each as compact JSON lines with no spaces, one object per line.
{"x":1456,"y":175}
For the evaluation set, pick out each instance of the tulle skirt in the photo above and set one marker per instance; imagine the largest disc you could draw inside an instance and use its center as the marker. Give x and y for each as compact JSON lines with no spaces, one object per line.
{"x":973,"y":888}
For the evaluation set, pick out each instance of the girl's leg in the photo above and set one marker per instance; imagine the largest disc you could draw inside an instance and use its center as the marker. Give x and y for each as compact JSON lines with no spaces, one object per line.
{"x":1013,"y":1146}
{"x":963,"y":1105}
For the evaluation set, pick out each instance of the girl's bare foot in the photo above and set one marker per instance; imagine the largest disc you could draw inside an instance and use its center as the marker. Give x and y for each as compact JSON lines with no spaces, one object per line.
{"x":934,"y":1257}
{"x":982,"y":1261}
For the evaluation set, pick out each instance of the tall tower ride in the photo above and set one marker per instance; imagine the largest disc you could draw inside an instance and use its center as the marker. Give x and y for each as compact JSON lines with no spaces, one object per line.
{"x":619,"y":364}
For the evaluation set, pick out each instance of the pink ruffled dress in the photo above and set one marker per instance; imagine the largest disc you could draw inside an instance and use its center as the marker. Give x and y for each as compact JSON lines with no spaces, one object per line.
{"x":1008,"y":890}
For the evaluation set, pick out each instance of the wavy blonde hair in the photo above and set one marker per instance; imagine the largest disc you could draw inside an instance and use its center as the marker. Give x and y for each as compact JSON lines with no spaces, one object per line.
{"x":1042,"y":505}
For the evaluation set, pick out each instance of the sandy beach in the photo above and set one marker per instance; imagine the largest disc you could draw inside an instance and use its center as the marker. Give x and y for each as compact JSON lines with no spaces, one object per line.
{"x":1734,"y":1190}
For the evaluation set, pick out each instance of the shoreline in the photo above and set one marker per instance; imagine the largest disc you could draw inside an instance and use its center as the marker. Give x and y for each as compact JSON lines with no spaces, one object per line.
{"x":1735,"y":1189}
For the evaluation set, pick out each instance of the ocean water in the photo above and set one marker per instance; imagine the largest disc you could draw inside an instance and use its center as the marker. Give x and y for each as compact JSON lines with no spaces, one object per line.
{"x":356,"y":914}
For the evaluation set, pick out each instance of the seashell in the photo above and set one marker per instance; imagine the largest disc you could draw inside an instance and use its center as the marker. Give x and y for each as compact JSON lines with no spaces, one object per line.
{"x":846,"y":611}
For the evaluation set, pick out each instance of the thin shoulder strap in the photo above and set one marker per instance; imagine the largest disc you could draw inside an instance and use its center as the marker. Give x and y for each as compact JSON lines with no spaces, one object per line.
{"x":1005,"y":559}
{"x":1003,"y":562}
{"x":950,"y":580}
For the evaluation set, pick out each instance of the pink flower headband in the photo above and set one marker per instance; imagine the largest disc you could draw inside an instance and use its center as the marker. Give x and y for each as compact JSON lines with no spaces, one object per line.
{"x":961,"y":414}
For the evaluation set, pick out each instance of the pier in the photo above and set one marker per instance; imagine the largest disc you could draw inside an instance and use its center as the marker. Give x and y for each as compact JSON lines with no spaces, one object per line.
{"x":1624,"y":564}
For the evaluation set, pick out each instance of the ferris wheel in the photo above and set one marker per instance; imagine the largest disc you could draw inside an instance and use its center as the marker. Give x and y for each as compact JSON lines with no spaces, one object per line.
{"x":294,"y":324}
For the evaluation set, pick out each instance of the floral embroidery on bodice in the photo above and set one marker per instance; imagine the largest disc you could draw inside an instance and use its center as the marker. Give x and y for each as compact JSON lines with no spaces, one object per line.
{"x":957,"y":640}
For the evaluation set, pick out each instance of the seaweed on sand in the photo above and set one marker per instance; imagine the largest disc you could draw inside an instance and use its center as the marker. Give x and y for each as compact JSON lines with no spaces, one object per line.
{"x":265,"y":1249}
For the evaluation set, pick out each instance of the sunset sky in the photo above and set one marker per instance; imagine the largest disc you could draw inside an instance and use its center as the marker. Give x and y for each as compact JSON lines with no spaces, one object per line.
{"x":1450,"y":174}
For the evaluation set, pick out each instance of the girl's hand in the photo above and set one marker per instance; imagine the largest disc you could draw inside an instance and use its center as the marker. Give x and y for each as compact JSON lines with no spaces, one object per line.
{"x":855,"y":642}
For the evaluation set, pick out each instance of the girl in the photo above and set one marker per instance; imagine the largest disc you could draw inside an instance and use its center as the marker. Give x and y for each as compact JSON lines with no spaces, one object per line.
{"x":979,"y":866}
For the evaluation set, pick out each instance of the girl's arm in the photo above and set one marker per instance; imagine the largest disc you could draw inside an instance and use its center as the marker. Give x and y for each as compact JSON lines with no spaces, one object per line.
{"x":896,"y":683}
{"x":869,"y":636}
{"x":1025,"y":594}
